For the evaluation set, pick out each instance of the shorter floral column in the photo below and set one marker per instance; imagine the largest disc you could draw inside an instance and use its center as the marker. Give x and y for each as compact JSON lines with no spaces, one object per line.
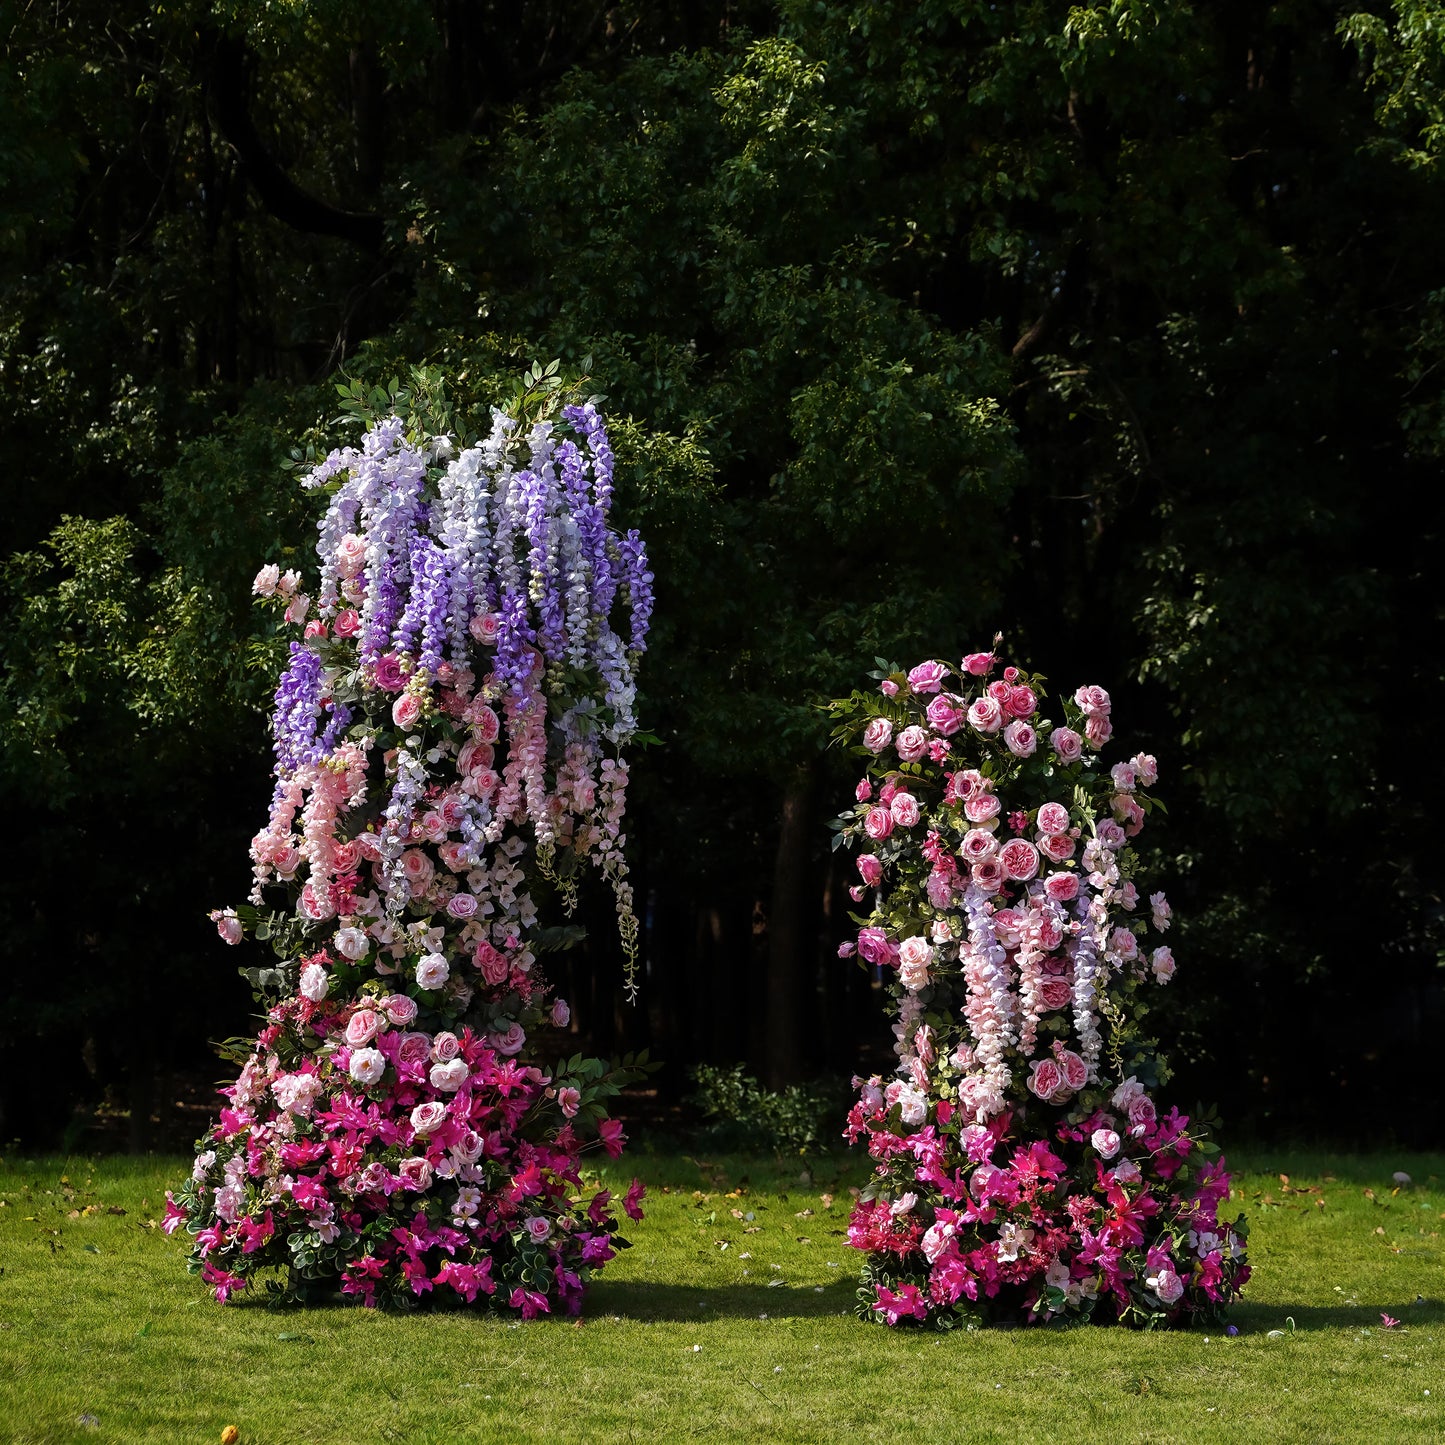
{"x":1023,"y":1171}
{"x":449,"y":734}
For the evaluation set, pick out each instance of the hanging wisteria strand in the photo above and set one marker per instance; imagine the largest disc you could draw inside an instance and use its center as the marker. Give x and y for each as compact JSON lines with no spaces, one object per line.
{"x":1023,"y":1170}
{"x":448,"y":733}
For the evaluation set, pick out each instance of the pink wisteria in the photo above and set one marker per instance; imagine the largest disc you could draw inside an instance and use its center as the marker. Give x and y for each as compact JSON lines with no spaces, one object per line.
{"x":1023,"y":1168}
{"x":448,"y":735}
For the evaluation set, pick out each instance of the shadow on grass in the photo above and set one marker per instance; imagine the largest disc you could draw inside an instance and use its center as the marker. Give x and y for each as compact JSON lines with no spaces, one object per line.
{"x":644,"y":1300}
{"x":1250,"y":1318}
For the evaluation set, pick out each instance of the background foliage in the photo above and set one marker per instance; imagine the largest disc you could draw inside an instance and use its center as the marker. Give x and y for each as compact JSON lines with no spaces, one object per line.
{"x":1116,"y":326}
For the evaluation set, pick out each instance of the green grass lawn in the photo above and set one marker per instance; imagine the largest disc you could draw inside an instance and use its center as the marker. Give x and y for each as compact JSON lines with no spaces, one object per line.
{"x":730,"y":1320}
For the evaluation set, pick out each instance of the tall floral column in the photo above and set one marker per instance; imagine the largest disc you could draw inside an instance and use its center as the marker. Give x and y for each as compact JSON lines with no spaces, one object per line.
{"x":1024,"y":1169}
{"x":449,"y":735}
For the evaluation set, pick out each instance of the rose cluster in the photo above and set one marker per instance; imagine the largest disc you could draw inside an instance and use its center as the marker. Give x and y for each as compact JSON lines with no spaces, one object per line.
{"x":1023,"y":1169}
{"x":448,"y":735}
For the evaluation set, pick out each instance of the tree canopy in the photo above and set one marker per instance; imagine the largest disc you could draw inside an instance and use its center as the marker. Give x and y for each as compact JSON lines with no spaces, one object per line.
{"x":1117,"y":327}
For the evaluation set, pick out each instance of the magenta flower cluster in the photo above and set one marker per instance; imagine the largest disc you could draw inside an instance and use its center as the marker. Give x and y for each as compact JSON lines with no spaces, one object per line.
{"x":1023,"y":1169}
{"x":448,"y":738}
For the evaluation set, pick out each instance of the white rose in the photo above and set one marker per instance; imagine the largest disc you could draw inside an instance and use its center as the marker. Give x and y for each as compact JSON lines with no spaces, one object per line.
{"x":351,"y":943}
{"x":315,"y":982}
{"x":367,"y":1065}
{"x":448,"y":1078}
{"x":433,"y":971}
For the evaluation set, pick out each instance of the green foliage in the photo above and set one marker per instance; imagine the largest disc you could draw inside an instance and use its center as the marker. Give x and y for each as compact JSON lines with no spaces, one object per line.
{"x":799,"y":1119}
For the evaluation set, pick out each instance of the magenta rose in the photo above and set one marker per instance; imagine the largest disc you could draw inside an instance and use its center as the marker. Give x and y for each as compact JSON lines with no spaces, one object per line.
{"x":1020,"y":739}
{"x":388,"y":673}
{"x":1020,"y":859}
{"x":878,"y":824}
{"x":912,"y":744}
{"x":864,"y":791}
{"x":878,"y":734}
{"x":873,"y":944}
{"x":904,"y":808}
{"x":985,"y":715}
{"x":1062,"y":887}
{"x":927,"y":676}
{"x":1068,"y":746}
{"x":870,"y":869}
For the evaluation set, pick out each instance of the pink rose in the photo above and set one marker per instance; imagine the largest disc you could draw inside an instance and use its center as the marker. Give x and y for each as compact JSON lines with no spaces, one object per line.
{"x":1106,"y":1142}
{"x":1110,"y":834}
{"x":981,"y":807}
{"x":569,"y":1100}
{"x":366,"y":1066}
{"x":1163,"y":963}
{"x":977,"y":845}
{"x":1123,"y":943}
{"x":1168,"y":1286}
{"x":878,"y":824}
{"x":978,"y":663}
{"x":985,"y":715}
{"x":1062,"y":887}
{"x":944,"y":715}
{"x":1048,"y":931}
{"x":266,"y":580}
{"x":1146,"y":769}
{"x":462,"y":905}
{"x":510,"y":1041}
{"x":1020,"y":739}
{"x":445,"y":1046}
{"x":927,"y":676}
{"x":415,"y":1174}
{"x":388,"y":673}
{"x":914,"y":956}
{"x":362,"y":1027}
{"x":1046,"y":1079}
{"x":1068,"y":746}
{"x":539,"y":1230}
{"x":429,"y":1116}
{"x":561,"y":1014}
{"x":486,"y":725}
{"x":493,"y":964}
{"x":1122,"y":776}
{"x":350,"y":554}
{"x":1053,"y":818}
{"x":870,"y":869}
{"x":1055,"y":992}
{"x":1000,"y":692}
{"x":988,"y":875}
{"x":1159,"y":906}
{"x":315,"y":628}
{"x":912,"y":744}
{"x":873,"y":944}
{"x":904,"y":809}
{"x":315,"y":982}
{"x":1056,"y":847}
{"x":347,"y":623}
{"x":1141,"y":1110}
{"x":351,"y":943}
{"x":1021,"y":702}
{"x":1092,"y":700}
{"x":1098,"y":731}
{"x":406,"y":710}
{"x":484,"y":628}
{"x":372,"y":1180}
{"x":297,"y":608}
{"x":1073,"y":1068}
{"x":1020,"y":860}
{"x":864,"y":791}
{"x":399,"y":1008}
{"x":416,"y":868}
{"x":878,"y":734}
{"x":315,"y":904}
{"x":1008,"y":925}
{"x":413,"y":1050}
{"x":227,"y":924}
